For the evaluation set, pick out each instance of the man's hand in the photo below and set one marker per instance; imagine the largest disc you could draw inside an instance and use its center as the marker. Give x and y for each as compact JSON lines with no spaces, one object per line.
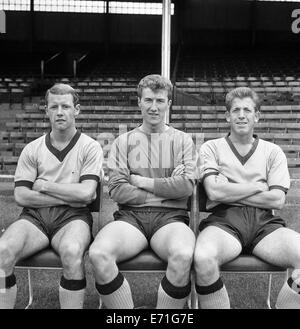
{"x":39,"y":185}
{"x":179,"y":170}
{"x":263,"y":186}
{"x":136,"y":180}
{"x":141,"y":182}
{"x":221,"y":178}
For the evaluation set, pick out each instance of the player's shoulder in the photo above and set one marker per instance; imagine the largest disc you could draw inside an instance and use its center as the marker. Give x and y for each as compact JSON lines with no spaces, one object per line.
{"x":87,"y":140}
{"x":124,"y":137}
{"x":36,"y":143}
{"x":86,"y":137}
{"x":88,"y":145}
{"x":178,"y":133}
{"x":214,"y":143}
{"x":269,"y":146}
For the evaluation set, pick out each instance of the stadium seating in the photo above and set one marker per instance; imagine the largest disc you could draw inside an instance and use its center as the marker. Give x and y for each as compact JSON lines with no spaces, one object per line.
{"x":278,"y":123}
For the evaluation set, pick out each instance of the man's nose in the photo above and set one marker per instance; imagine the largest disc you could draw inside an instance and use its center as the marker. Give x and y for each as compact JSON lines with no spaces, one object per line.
{"x":153,"y":106}
{"x":59,"y":110}
{"x":241,"y":114}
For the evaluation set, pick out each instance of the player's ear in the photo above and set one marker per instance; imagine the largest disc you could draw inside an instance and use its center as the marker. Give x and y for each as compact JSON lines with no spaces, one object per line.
{"x":139,"y":102}
{"x":46,"y":110}
{"x":169,"y":102}
{"x":227,"y":116}
{"x":257,"y":116}
{"x":77,"y":109}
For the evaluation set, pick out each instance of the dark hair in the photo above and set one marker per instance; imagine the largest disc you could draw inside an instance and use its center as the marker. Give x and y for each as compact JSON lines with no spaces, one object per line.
{"x":242,"y":92}
{"x":62,"y":89}
{"x":155,"y":82}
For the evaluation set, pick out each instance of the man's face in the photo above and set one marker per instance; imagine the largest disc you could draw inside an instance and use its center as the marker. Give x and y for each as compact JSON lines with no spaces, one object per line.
{"x":61,"y":111}
{"x":242,"y":116}
{"x":153,"y":106}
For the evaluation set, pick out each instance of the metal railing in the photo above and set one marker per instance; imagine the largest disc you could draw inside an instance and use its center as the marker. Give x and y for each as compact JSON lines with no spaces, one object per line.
{"x":45,"y":61}
{"x":76,"y":62}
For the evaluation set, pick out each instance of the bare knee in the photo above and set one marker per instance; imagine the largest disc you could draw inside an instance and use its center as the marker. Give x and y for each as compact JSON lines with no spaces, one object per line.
{"x":102,"y":262}
{"x":181,"y":258}
{"x":71,"y":255}
{"x":179,"y":263}
{"x":7,"y":257}
{"x":206,"y":267}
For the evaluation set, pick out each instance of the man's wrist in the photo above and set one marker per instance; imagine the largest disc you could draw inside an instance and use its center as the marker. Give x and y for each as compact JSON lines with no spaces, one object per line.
{"x":142,"y":182}
{"x":44,"y":188}
{"x":262,"y":187}
{"x":48,"y":187}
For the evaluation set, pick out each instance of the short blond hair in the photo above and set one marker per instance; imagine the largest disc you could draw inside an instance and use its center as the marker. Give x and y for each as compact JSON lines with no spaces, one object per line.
{"x":62,"y":89}
{"x":155,"y":82}
{"x":242,"y":92}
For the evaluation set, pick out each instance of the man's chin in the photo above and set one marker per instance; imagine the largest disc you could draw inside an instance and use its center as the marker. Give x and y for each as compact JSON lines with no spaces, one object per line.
{"x":243,"y":133}
{"x":155,"y":123}
{"x":60,"y":128}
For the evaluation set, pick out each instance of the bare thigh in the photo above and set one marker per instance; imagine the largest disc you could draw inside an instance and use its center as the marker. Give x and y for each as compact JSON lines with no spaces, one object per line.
{"x":218,"y":244}
{"x":172,"y":236}
{"x":77,"y":231}
{"x":121,"y":240}
{"x":281,"y":247}
{"x":24,"y":239}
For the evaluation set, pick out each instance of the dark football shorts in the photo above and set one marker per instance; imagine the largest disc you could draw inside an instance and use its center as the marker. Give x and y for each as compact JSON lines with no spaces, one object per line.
{"x":150,"y":219}
{"x":248,"y":224}
{"x":51,"y":219}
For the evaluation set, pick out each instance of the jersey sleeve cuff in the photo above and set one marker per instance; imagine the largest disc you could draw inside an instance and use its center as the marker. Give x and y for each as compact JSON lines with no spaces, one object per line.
{"x":25,"y":183}
{"x":278,"y":187}
{"x":89,"y":177}
{"x":215,"y":173}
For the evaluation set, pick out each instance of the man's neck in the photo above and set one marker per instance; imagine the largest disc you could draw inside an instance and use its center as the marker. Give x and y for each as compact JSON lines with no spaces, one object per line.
{"x":154,"y":129}
{"x":62,"y":137}
{"x":241,"y":139}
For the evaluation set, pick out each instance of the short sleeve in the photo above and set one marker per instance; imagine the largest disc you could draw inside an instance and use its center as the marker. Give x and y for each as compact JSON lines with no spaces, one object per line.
{"x":278,"y":174}
{"x":208,"y":160}
{"x":93,"y":162}
{"x":26,"y":171}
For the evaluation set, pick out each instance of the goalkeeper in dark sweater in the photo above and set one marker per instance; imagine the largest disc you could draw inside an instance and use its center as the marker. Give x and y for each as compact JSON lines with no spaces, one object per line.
{"x":151,"y":170}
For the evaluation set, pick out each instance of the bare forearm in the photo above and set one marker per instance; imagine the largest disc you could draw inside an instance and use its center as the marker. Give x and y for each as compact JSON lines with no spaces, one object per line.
{"x":231,"y":192}
{"x":34,"y":199}
{"x":76,"y":192}
{"x":266,"y":200}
